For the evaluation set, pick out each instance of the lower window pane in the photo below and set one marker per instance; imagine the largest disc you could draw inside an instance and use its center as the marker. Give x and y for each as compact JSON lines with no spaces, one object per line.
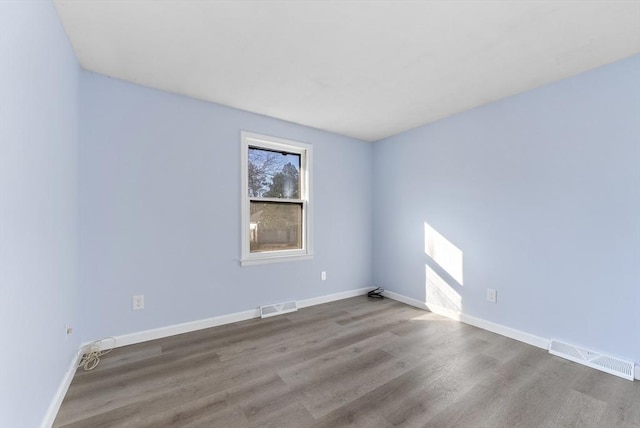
{"x":275,"y":226}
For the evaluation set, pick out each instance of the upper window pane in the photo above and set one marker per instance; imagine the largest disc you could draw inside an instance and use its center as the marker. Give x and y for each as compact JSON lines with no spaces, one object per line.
{"x":273,"y":174}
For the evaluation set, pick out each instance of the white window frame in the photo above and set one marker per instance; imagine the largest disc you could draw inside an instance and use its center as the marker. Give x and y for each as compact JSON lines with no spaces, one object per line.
{"x":249,"y":139}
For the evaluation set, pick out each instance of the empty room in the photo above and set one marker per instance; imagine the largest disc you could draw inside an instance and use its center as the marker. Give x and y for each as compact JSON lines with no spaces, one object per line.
{"x":319,"y":213}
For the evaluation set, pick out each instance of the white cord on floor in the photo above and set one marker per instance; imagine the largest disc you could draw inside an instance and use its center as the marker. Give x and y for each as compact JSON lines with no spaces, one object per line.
{"x":92,"y":353}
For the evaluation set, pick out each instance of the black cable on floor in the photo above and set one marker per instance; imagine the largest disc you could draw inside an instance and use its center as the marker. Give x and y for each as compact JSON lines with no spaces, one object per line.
{"x":377,"y":293}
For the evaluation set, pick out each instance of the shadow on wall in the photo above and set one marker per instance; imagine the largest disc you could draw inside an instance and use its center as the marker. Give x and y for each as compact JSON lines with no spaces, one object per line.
{"x":445,"y":256}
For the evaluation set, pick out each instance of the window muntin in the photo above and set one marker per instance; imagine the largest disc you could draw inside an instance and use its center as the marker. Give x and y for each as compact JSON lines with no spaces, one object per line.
{"x":276,"y":199}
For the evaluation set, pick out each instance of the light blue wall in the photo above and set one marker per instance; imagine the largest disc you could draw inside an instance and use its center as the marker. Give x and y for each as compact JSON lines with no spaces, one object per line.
{"x":541,"y":192}
{"x":39,"y":290}
{"x":160,"y":211}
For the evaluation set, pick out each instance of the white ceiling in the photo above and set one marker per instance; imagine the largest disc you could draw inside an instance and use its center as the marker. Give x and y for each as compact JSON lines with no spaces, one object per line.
{"x":366,"y":69}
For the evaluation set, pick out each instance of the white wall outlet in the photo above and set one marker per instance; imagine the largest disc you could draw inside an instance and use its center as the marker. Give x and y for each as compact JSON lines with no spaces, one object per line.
{"x":137,"y":302}
{"x":492,"y":295}
{"x":68,"y":329}
{"x":323,"y":276}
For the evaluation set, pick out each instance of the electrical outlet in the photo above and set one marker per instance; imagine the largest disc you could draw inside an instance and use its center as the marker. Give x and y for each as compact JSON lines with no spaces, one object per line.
{"x":323,"y":276}
{"x":68,"y":329}
{"x":137,"y":302}
{"x":492,"y":295}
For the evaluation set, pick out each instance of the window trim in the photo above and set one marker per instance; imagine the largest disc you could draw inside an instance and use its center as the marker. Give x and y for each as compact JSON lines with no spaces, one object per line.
{"x":305,"y":151}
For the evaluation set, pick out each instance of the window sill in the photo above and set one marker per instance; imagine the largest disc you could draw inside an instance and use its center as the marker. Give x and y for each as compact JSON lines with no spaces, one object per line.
{"x":275,"y":259}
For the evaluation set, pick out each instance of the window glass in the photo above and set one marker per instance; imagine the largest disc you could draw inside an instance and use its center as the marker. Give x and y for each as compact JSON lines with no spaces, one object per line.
{"x":273,"y":174}
{"x":275,"y":226}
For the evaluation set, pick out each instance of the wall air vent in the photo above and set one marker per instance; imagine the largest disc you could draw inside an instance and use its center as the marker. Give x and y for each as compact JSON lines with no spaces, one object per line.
{"x":611,"y":365}
{"x":277,"y":309}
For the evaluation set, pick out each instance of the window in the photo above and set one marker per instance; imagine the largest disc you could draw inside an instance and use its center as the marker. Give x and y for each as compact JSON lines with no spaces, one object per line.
{"x":276,"y":200}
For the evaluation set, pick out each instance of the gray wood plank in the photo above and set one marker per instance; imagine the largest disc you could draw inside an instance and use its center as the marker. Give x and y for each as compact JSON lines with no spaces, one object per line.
{"x":356,"y":362}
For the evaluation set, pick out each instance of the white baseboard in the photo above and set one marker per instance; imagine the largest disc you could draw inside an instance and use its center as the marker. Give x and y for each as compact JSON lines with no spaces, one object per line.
{"x":503,"y":330}
{"x":333,"y":297}
{"x":52,"y":411}
{"x":404,"y":299}
{"x":172,"y":330}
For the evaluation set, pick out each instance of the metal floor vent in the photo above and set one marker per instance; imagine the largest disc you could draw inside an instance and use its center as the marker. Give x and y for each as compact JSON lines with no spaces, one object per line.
{"x":611,"y":365}
{"x":277,"y":309}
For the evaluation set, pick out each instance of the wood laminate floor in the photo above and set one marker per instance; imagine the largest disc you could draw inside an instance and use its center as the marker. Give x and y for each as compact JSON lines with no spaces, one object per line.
{"x":356,"y":362}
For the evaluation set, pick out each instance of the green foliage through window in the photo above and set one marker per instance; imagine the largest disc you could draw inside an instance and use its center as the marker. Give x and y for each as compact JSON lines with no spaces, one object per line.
{"x":273,"y":174}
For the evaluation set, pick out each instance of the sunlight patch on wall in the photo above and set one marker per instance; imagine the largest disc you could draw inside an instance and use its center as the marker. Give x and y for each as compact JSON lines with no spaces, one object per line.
{"x":440,"y":293}
{"x":443,"y":252}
